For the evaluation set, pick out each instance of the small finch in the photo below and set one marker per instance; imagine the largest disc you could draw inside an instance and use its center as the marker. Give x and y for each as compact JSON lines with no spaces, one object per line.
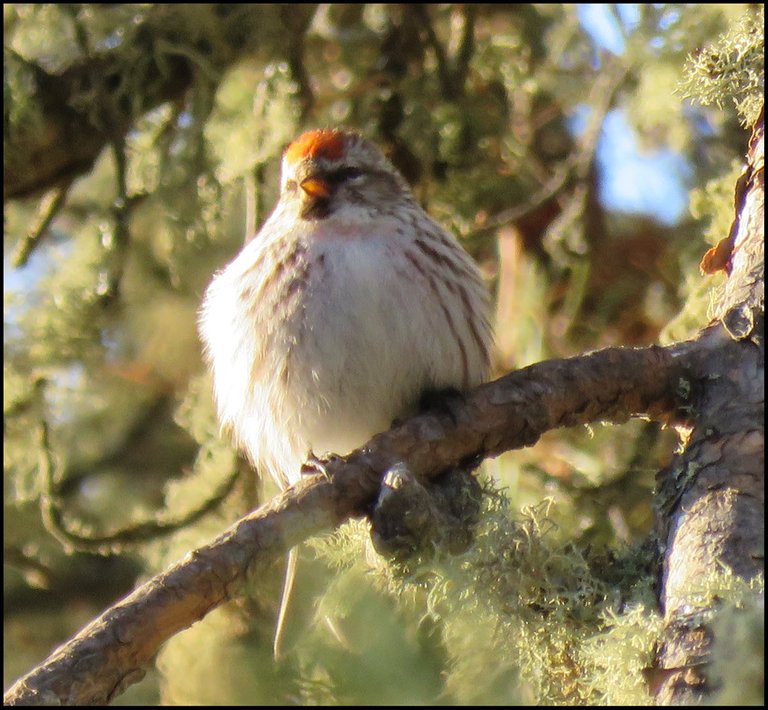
{"x":347,"y":305}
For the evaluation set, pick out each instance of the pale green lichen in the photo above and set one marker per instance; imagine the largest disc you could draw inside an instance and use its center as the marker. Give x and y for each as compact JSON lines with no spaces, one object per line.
{"x":732,"y":70}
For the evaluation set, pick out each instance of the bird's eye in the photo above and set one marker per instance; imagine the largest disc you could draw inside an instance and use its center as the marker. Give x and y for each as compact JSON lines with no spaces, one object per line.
{"x":290,"y":186}
{"x":347,"y":174}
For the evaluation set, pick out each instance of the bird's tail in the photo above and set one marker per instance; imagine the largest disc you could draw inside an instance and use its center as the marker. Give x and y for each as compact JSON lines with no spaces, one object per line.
{"x":285,"y":599}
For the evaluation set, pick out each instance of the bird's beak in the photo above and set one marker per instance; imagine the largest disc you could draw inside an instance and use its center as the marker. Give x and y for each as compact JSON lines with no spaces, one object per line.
{"x":316,"y":186}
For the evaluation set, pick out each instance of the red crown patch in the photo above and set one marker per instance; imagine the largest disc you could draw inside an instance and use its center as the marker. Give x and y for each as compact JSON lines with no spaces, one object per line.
{"x":322,"y":143}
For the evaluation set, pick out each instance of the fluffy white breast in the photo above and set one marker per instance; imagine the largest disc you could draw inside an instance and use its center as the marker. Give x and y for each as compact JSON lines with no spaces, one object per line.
{"x":323,"y":362}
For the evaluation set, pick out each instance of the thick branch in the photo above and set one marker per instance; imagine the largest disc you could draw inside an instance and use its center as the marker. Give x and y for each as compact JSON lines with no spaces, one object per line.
{"x":111,"y":653}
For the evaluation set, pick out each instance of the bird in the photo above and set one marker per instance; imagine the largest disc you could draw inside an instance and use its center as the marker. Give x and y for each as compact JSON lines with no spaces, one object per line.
{"x":332,"y":321}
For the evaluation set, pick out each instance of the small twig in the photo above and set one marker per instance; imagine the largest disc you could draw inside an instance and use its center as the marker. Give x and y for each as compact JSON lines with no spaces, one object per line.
{"x":164,"y":46}
{"x":297,"y":25}
{"x":547,"y":191}
{"x":35,"y":572}
{"x":29,"y":402}
{"x":80,"y":32}
{"x":50,"y":206}
{"x":253,"y":185}
{"x":108,"y":287}
{"x":141,"y":532}
{"x":451,"y":70}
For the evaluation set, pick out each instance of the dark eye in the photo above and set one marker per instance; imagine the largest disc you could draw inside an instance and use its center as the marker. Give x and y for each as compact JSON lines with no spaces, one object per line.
{"x":290,"y":186}
{"x":343,"y":174}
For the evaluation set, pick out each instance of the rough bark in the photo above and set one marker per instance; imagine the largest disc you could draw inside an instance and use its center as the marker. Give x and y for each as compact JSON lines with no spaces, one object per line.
{"x":711,"y":497}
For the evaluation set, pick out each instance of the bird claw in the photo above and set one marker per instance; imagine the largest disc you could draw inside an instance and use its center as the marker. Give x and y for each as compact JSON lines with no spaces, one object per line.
{"x":410,"y":518}
{"x":315,"y":464}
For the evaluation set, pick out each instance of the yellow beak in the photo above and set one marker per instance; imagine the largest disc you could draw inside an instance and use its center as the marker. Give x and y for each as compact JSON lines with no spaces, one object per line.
{"x":316,"y":186}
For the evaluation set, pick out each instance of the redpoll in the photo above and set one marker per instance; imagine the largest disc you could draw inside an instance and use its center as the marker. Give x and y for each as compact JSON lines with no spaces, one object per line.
{"x":347,"y":305}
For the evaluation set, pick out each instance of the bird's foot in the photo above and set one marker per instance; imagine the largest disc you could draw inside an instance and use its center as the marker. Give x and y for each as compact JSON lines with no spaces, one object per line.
{"x":412,"y":519}
{"x":318,"y":464}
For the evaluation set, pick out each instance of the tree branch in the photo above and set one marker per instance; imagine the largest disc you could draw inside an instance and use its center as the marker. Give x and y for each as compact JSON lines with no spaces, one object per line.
{"x":49,"y":207}
{"x":512,"y":412}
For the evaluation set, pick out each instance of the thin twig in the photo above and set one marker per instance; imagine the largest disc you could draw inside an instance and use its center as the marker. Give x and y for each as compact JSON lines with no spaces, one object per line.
{"x":297,"y":25}
{"x":50,"y":206}
{"x":53,"y":514}
{"x":443,"y":66}
{"x":35,"y":571}
{"x":81,"y":34}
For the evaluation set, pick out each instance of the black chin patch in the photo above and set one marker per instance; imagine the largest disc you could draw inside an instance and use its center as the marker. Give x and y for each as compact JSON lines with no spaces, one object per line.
{"x":316,"y":208}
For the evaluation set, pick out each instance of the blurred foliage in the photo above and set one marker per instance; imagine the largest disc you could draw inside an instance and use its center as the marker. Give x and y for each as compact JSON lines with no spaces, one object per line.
{"x":476,"y":105}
